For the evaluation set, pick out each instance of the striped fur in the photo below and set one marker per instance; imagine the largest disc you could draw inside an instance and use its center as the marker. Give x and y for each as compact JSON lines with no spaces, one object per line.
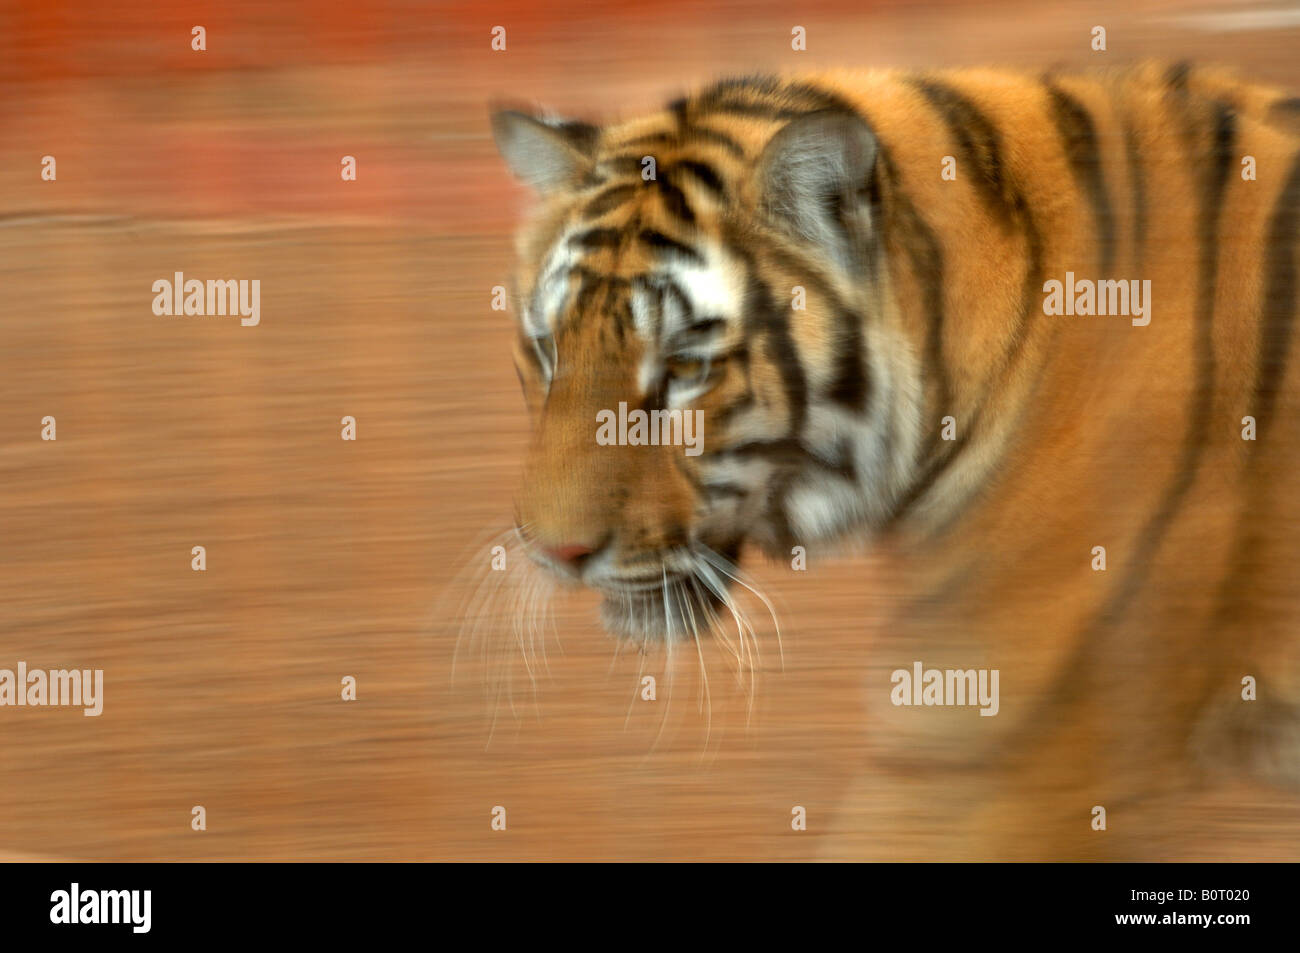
{"x":925,"y":301}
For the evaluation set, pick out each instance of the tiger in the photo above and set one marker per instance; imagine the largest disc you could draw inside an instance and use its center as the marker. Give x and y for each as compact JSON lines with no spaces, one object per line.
{"x":849,"y":276}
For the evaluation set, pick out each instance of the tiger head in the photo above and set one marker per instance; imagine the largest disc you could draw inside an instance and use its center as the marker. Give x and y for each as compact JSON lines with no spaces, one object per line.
{"x":704,"y":347}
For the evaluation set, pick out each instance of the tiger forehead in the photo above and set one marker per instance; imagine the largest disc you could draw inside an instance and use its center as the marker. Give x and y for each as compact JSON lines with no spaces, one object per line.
{"x":676,"y":165}
{"x":660,"y":286}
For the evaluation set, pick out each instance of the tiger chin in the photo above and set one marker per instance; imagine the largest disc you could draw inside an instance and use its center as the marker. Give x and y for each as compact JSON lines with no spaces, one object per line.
{"x":846,"y":274}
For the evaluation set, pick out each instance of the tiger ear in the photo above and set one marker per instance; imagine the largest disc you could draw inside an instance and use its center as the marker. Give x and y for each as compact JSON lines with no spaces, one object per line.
{"x":546,"y":155}
{"x":815,"y":179}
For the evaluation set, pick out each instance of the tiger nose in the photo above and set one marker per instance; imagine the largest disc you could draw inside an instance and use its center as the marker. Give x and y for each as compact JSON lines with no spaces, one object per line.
{"x":570,"y":554}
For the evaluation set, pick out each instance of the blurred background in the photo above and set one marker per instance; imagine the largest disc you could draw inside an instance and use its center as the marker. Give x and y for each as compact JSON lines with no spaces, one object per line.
{"x":328,"y":558}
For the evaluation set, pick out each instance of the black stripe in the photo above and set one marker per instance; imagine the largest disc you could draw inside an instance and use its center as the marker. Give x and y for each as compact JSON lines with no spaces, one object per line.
{"x":1279,"y":306}
{"x":707,"y":136}
{"x":698,"y":335}
{"x":777,"y":450}
{"x":624,"y":165}
{"x":744,"y":93}
{"x":618,"y":320}
{"x":759,"y":84}
{"x":654,"y":291}
{"x":978,"y":140}
{"x":663,"y":140}
{"x":582,"y":136}
{"x":588,"y":288}
{"x":740,"y":355}
{"x":706,"y":174}
{"x":1214,"y":180}
{"x":850,"y":387}
{"x":764,"y":316}
{"x":981,"y":145}
{"x":1030,"y":296}
{"x":608,"y":200}
{"x":790,"y":455}
{"x":682,"y":139}
{"x":1225,"y":135}
{"x":1286,"y":113}
{"x":597,"y":238}
{"x":1079,"y":140}
{"x":765,"y":97}
{"x":754,"y":108}
{"x":1276,"y":326}
{"x":707,"y":326}
{"x":670,"y":290}
{"x":1133,"y":157}
{"x":1176,"y":77}
{"x":662,"y":243}
{"x":814,"y":98}
{"x":934,"y":468}
{"x":674,"y":198}
{"x":926,"y":257}
{"x":613,"y":314}
{"x":782,"y":257}
{"x":590,"y":274}
{"x":716,"y":490}
{"x":776,"y":515}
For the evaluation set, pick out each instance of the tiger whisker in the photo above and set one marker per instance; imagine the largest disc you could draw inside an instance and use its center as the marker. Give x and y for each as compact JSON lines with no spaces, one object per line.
{"x":718,"y":588}
{"x":704,"y":703}
{"x":715,"y":625}
{"x":472,"y":606}
{"x":740,"y":578}
{"x":668,"y":653}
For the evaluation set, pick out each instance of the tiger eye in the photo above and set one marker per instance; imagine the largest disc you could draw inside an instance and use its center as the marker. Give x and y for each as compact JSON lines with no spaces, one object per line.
{"x":688,"y":368}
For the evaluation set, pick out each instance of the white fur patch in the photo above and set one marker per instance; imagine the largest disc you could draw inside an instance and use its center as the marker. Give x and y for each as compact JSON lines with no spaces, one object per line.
{"x":552,"y":291}
{"x":714,"y":289}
